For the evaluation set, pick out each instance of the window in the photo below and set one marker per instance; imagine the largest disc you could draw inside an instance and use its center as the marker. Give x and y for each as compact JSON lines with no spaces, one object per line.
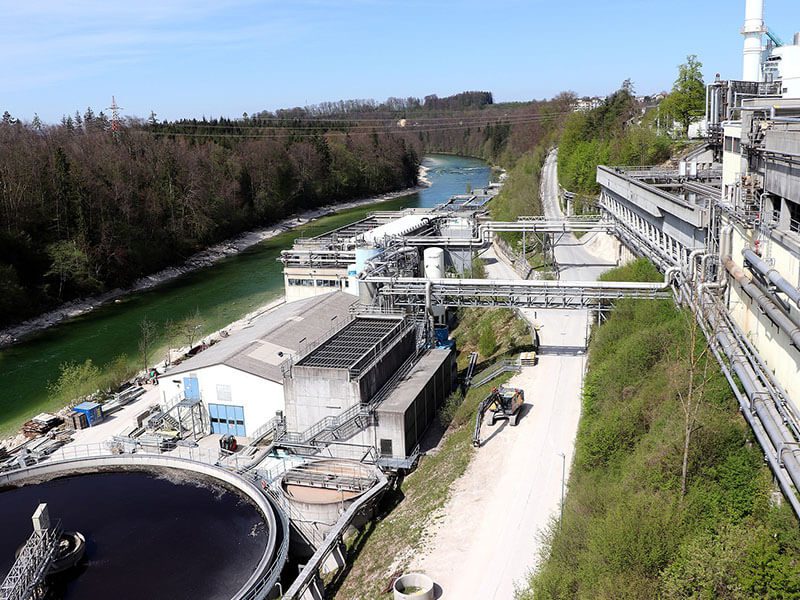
{"x":227,"y":419}
{"x":737,"y":145}
{"x":327,"y":283}
{"x":386,"y":448}
{"x":728,"y":144}
{"x":224,"y":393}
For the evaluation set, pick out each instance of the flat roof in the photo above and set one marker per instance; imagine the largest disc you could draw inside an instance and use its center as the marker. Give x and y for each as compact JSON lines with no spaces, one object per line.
{"x":408,"y":388}
{"x":348,"y":346}
{"x":263,"y":346}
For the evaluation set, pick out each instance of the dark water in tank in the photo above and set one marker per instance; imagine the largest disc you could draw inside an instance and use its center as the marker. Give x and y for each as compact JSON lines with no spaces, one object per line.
{"x":148,"y":536}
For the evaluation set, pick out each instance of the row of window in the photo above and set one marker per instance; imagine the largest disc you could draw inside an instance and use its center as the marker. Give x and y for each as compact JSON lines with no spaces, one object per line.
{"x":318,"y":283}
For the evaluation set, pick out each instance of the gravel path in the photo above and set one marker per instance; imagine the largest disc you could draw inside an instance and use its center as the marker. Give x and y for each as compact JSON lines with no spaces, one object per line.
{"x":487,"y":539}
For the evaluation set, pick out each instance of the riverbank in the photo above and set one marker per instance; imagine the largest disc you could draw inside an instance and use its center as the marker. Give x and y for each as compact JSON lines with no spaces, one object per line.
{"x":202,"y":259}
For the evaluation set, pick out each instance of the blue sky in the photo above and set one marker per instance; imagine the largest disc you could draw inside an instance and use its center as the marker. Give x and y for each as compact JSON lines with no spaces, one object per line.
{"x":186,"y":58}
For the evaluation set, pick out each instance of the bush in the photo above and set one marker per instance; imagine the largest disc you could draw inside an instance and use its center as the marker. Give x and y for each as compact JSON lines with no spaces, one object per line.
{"x":627,"y":532}
{"x":487,"y":344}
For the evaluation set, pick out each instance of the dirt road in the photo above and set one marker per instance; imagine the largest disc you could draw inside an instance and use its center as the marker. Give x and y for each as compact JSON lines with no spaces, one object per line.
{"x":487,"y":539}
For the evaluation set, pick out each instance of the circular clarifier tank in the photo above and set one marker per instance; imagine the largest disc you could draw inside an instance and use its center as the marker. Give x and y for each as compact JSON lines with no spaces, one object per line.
{"x":154,"y":532}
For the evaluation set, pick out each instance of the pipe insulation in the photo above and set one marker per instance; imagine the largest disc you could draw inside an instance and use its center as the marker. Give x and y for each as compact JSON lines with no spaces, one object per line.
{"x":772,"y":311}
{"x":772,"y":275}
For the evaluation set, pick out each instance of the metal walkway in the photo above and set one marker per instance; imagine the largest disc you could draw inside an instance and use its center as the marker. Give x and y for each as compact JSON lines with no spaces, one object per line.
{"x":422,"y":292}
{"x":30,"y":568}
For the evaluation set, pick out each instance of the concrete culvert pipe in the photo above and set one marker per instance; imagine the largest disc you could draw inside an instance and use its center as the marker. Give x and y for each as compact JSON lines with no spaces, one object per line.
{"x":413,"y":586}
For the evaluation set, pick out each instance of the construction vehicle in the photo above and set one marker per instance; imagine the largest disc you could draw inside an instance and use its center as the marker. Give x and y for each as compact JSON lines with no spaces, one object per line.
{"x":501,"y":403}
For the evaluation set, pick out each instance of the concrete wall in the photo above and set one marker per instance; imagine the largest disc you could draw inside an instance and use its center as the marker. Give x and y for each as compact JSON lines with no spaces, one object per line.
{"x":405,"y":425}
{"x":313,"y":393}
{"x":261,"y":398}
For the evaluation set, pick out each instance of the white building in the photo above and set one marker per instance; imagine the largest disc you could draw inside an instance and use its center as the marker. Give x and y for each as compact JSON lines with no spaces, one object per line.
{"x":239,"y":380}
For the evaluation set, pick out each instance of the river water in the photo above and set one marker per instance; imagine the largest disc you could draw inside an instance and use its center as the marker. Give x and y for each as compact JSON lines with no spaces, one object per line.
{"x":147,"y":536}
{"x":222,"y":293}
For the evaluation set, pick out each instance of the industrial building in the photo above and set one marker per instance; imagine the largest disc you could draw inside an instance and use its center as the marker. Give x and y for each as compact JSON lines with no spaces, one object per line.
{"x":335,"y":260}
{"x":239,"y":380}
{"x":725,"y":228}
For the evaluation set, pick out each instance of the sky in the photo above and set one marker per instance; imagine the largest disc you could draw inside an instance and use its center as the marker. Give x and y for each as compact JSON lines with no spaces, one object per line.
{"x":183,"y":58}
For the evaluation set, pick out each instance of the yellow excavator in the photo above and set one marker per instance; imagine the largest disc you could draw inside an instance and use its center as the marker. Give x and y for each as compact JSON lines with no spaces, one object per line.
{"x":501,"y":403}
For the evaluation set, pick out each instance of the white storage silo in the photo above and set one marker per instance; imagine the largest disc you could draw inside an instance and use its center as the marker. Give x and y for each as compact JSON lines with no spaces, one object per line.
{"x":433,"y":260}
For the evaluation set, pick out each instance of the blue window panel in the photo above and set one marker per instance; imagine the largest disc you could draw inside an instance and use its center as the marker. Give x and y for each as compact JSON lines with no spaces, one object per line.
{"x":238,"y":413}
{"x":240,"y":430}
{"x":213,"y":410}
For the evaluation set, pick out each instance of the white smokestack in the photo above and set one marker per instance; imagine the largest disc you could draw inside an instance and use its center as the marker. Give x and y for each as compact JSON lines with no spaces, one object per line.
{"x":752,"y":32}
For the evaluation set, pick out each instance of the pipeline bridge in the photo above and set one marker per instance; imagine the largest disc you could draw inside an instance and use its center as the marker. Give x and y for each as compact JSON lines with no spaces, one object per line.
{"x":513,"y":293}
{"x":330,"y":253}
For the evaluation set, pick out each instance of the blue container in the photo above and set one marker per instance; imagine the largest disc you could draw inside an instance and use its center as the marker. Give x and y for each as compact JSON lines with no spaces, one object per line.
{"x":93,"y":412}
{"x":442,"y":338}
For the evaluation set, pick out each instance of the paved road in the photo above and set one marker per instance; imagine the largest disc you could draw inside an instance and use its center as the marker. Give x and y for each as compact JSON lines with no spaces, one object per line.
{"x":575,"y":262}
{"x":487,"y":538}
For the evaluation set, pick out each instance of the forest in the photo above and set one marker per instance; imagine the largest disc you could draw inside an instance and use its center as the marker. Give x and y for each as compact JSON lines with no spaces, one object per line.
{"x":88,"y":205}
{"x":84,"y":209}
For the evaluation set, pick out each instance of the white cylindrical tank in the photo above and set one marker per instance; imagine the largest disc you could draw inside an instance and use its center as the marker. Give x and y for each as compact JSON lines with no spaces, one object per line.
{"x":365,"y":254}
{"x":753,"y":31}
{"x":433,"y":259}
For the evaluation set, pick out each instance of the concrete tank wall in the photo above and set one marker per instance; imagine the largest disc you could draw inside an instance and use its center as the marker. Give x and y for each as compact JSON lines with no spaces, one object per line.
{"x":316,"y":509}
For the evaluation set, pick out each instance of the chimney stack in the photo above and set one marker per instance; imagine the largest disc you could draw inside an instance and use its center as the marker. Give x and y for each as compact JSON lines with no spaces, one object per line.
{"x":753,"y":31}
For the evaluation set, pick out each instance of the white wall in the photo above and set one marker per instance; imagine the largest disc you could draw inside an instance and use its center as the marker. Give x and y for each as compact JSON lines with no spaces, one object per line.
{"x":772,"y":344}
{"x":260,"y":398}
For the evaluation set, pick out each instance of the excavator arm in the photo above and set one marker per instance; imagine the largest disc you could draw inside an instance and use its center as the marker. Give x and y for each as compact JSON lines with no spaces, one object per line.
{"x":487,"y":402}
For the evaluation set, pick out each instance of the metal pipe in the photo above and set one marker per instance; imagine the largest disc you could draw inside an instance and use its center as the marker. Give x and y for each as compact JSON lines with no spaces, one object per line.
{"x":692,"y":259}
{"x":772,"y":275}
{"x":768,"y":306}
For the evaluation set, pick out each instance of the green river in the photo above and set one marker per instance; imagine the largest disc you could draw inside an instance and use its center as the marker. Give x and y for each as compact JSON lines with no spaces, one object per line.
{"x":222,"y":293}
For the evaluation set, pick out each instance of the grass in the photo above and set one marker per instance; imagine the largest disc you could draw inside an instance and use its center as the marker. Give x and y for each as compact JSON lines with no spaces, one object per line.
{"x":387,"y":545}
{"x":627,"y":530}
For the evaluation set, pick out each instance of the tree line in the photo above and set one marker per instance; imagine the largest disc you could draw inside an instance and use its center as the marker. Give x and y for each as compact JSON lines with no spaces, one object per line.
{"x":83,"y":210}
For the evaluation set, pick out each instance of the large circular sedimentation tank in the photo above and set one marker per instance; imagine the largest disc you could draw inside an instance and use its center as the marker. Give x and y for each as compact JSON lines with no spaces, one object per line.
{"x":155,"y":527}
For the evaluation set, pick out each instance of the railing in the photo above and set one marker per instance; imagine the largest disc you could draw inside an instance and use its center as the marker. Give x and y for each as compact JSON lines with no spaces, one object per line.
{"x":505,"y":366}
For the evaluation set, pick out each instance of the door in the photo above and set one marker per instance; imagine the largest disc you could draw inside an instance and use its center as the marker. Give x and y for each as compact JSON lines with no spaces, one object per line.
{"x":227,"y":419}
{"x":191,"y":388}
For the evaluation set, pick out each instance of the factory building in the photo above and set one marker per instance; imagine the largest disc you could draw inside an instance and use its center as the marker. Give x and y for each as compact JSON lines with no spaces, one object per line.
{"x":314,"y":362}
{"x":334,"y":260}
{"x":757,"y":125}
{"x":371,"y":383}
{"x":239,"y":380}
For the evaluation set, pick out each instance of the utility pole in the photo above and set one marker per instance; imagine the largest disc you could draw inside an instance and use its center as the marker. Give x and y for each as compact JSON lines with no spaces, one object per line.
{"x":563,"y":479}
{"x":116,"y":123}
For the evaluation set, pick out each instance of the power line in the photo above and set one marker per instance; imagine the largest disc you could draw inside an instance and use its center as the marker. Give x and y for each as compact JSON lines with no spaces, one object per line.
{"x":280,"y":132}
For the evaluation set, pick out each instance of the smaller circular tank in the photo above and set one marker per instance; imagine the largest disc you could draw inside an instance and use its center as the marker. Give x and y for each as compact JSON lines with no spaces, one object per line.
{"x":320,"y":491}
{"x":413,"y":586}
